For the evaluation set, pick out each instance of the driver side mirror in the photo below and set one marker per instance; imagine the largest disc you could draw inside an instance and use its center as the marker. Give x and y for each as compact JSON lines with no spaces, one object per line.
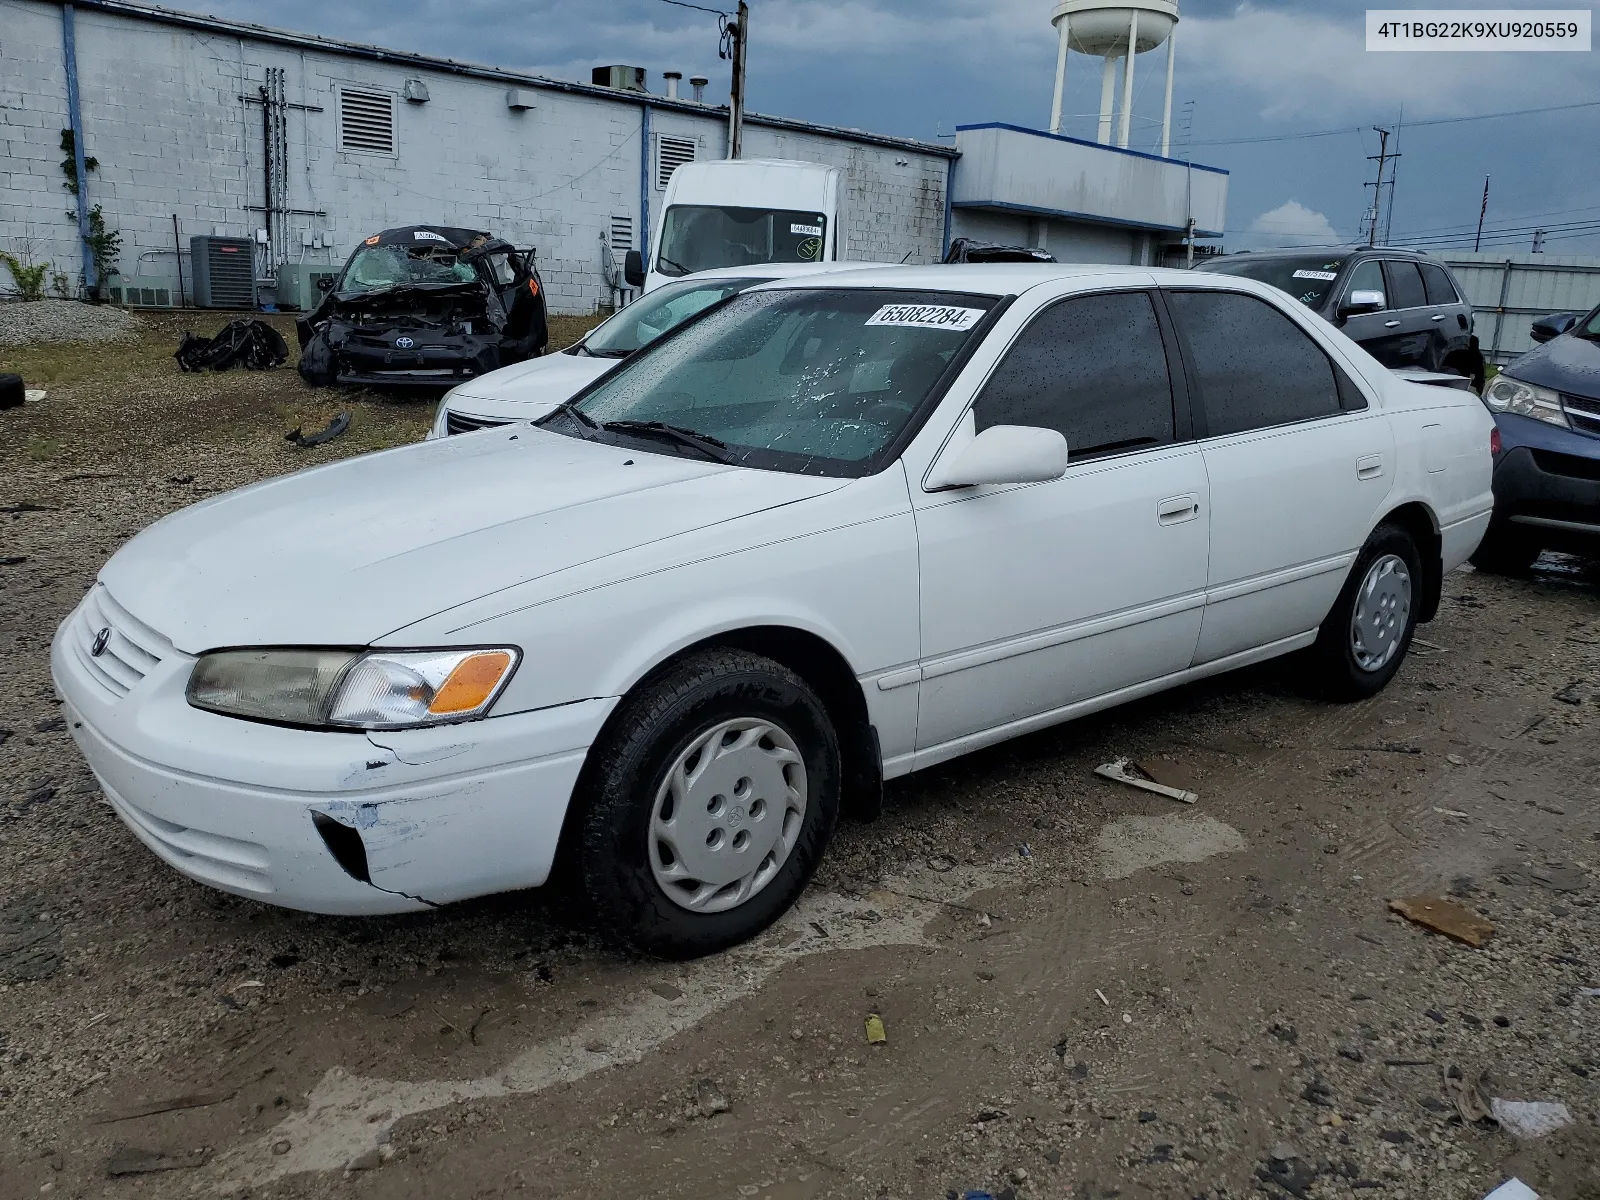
{"x":1553,"y":326}
{"x":325,"y":282}
{"x":1004,"y":454}
{"x":1362,"y":301}
{"x":633,"y":269}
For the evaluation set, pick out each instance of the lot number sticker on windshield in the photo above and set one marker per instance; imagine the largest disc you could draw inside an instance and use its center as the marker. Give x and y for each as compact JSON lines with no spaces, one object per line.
{"x":806,"y":230}
{"x":926,"y":316}
{"x":1325,"y":276}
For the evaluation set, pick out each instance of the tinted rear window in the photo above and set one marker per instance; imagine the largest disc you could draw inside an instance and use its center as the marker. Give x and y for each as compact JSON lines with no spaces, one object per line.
{"x":1437,"y":283}
{"x":1307,"y":278}
{"x":1405,"y":284}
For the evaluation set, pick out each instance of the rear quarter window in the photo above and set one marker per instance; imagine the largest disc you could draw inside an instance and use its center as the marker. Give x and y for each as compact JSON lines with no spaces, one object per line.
{"x":1437,"y":283}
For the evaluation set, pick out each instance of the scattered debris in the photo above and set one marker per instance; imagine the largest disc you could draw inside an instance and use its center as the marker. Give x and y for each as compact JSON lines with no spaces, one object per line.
{"x":34,"y":395}
{"x":1455,"y":760}
{"x":1552,"y":877}
{"x":1528,"y":1119}
{"x":340,"y":423}
{"x":1433,"y":646}
{"x":1470,"y":1100}
{"x":12,"y":560}
{"x":1529,"y":727}
{"x":171,"y":1104}
{"x":247,"y":342}
{"x":709,"y":1099}
{"x":1592,"y":993}
{"x":666,"y":991}
{"x":1513,"y":1189}
{"x":1123,"y":770}
{"x":1102,"y":996}
{"x":1385,"y":748}
{"x":1451,"y":812}
{"x":876,"y":1034}
{"x":1283,"y":1152}
{"x":1446,"y":917}
{"x":130,"y":1161}
{"x":1570,"y":693}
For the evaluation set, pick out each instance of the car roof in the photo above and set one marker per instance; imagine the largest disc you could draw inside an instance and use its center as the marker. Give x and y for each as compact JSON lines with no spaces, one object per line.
{"x":997,"y":279}
{"x":1313,"y":251}
{"x":778,"y":270}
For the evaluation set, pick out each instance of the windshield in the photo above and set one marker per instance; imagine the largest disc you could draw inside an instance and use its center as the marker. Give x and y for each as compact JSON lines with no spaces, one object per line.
{"x":1308,"y":279}
{"x":1589,"y":328}
{"x":647,"y":318}
{"x":820,"y":381}
{"x":377,"y":267}
{"x":703,"y":237}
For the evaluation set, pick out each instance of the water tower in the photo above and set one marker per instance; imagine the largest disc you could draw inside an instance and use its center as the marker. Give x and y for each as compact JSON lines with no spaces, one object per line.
{"x":1108,"y":31}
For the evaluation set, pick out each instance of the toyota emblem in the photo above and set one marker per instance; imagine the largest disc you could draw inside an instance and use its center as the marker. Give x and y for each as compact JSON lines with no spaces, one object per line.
{"x":403,"y":343}
{"x":100,"y":641}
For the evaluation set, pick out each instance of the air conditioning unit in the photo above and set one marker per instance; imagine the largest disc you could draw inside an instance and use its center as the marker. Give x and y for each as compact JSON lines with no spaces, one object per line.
{"x":144,"y":291}
{"x":224,"y":272}
{"x":297,"y":284}
{"x":624,"y":79}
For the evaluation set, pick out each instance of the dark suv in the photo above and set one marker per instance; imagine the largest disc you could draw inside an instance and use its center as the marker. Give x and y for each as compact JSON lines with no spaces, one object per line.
{"x":1402,"y":306}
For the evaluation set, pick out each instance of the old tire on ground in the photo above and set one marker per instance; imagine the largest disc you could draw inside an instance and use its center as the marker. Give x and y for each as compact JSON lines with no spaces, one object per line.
{"x":1366,"y":634}
{"x":706,"y":805}
{"x":1506,"y":551}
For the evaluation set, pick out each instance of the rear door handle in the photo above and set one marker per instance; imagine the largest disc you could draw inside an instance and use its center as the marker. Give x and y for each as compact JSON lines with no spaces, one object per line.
{"x":1391,"y":324}
{"x":1438,"y":316}
{"x":1176,"y":509}
{"x":1369,"y":466}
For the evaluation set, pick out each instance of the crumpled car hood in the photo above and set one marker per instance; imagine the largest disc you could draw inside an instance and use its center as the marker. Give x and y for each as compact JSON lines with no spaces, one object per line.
{"x":346,"y":553}
{"x":1567,"y":364}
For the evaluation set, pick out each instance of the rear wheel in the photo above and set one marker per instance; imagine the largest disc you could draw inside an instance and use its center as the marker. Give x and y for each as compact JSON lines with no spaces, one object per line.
{"x":1368,"y":631}
{"x":708,"y":805}
{"x":1506,"y":551}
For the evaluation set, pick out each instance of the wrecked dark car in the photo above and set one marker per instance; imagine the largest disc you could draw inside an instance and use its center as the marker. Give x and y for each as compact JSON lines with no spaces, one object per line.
{"x":971,"y":250}
{"x":425,"y":306}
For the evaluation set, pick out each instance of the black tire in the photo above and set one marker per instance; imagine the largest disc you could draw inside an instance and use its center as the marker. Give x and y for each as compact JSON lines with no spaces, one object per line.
{"x":626,"y":769}
{"x":1335,"y":672}
{"x":1506,"y":551}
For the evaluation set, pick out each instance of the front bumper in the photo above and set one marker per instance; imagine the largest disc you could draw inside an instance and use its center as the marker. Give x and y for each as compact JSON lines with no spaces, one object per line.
{"x":1547,"y":483}
{"x":446,"y":360}
{"x":441,"y":814}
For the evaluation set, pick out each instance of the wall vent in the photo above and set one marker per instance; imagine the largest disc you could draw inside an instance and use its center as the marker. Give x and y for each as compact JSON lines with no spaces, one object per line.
{"x":672,"y":153}
{"x":224,"y":272}
{"x":622,"y":235}
{"x":366,"y":121}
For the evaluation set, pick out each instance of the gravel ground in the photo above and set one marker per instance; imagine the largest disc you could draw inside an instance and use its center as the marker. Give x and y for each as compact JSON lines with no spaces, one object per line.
{"x":1089,"y":991}
{"x":23,"y":324}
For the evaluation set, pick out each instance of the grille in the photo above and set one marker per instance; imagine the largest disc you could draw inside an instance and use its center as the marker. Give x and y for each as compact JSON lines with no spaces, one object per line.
{"x":132,"y":648}
{"x":1569,"y":465}
{"x":1583,"y":412}
{"x":455,"y":422}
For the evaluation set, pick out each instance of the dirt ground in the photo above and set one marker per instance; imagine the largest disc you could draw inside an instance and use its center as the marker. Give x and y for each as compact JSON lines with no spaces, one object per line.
{"x":1088,"y":991}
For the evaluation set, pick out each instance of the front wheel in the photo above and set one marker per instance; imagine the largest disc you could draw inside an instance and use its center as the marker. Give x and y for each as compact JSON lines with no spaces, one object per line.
{"x":1368,"y":631}
{"x":707,"y":805}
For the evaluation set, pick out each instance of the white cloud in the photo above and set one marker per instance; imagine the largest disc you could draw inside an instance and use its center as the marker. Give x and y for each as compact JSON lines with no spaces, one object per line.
{"x":1290,"y":224}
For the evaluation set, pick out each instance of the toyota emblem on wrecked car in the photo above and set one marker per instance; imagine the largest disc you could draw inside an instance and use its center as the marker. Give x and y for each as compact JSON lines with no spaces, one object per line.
{"x":100,"y":641}
{"x":403,"y":343}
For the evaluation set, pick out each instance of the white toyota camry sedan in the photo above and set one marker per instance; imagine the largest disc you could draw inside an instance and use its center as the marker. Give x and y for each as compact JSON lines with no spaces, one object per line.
{"x":831,"y":531}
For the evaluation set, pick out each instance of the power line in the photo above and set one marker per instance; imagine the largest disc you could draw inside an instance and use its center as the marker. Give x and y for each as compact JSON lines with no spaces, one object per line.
{"x":1346,"y":129}
{"x":715,"y":12}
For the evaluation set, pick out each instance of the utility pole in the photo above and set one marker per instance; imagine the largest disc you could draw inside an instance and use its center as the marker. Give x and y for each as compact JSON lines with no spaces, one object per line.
{"x":737,"y":33}
{"x":1538,"y":241}
{"x":1382,"y":158}
{"x":1482,"y":210}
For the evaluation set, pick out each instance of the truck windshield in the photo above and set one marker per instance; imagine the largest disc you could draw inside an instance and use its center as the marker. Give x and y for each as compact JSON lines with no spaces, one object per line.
{"x":702,"y":237}
{"x":648,"y":317}
{"x":1307,"y":278}
{"x":815,"y":381}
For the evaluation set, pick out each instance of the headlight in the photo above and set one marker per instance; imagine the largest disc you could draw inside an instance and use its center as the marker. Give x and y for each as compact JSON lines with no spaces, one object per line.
{"x":439,"y":425}
{"x":1510,"y":395}
{"x":346,"y":689}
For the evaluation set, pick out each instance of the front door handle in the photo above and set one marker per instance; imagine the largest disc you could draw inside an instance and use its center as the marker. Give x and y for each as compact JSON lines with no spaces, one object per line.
{"x":1369,"y":466}
{"x":1176,"y":509}
{"x":1438,"y":316}
{"x":1391,"y":324}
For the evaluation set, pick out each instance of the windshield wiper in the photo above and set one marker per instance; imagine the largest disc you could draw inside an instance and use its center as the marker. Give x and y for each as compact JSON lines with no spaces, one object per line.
{"x":568,"y":409}
{"x":709,"y":446}
{"x":610,"y":353}
{"x":667,"y":262}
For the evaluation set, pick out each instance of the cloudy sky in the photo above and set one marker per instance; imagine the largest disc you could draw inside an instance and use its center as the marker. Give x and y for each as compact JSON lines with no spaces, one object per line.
{"x":1253,"y":71}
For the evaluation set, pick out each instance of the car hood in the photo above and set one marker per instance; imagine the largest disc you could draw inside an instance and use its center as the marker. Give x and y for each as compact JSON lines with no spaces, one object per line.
{"x":1567,"y":364}
{"x":529,"y":389}
{"x":346,"y":553}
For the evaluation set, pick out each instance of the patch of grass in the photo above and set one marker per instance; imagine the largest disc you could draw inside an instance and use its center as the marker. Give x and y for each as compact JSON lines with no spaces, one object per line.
{"x":43,"y":449}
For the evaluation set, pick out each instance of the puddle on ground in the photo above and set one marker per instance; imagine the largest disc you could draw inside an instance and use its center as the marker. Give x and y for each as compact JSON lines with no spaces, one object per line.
{"x":1131,"y":844}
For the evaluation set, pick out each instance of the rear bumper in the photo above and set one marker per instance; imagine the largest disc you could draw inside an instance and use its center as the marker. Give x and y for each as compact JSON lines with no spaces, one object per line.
{"x":1547,"y":483}
{"x":440,"y":814}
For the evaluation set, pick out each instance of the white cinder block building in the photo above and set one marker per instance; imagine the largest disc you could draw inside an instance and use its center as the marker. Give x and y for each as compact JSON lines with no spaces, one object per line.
{"x":202,"y":126}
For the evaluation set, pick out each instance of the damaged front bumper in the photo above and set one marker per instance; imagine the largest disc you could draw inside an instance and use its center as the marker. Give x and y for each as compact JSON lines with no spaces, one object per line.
{"x":446,"y":360}
{"x":328,"y":822}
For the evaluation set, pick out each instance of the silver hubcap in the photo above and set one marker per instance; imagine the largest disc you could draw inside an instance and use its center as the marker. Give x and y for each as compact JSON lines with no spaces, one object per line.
{"x":1383,"y":608}
{"x":727,"y":815}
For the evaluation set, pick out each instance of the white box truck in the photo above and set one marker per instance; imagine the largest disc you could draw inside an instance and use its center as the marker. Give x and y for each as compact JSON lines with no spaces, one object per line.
{"x":740,"y":213}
